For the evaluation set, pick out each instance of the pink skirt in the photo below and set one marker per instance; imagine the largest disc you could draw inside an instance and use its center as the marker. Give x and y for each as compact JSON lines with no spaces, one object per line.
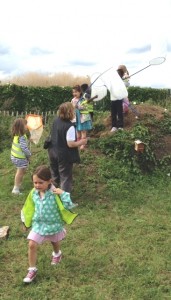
{"x":39,"y":239}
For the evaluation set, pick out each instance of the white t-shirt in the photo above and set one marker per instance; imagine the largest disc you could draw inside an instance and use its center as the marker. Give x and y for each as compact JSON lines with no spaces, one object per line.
{"x":115,"y":85}
{"x":70,"y":136}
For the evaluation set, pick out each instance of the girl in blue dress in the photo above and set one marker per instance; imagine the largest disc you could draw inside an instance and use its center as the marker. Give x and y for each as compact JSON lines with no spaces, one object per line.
{"x":83,"y":119}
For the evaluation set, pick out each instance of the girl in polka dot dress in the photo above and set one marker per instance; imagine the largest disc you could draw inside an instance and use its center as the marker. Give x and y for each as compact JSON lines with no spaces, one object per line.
{"x":43,"y":213}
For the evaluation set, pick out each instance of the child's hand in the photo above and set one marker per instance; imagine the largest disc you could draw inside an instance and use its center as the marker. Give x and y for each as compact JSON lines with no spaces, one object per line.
{"x":126,"y":76}
{"x":57,"y":191}
{"x":24,"y":228}
{"x":83,"y":141}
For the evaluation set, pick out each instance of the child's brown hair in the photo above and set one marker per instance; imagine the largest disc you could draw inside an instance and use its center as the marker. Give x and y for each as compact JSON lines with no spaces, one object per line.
{"x":123,"y":68}
{"x":120,"y":72}
{"x":19,"y":127}
{"x":43,"y":172}
{"x":77,"y":88}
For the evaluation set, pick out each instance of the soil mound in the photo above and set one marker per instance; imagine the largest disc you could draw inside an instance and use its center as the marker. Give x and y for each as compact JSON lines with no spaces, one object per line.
{"x":132,"y":117}
{"x":163,"y":145}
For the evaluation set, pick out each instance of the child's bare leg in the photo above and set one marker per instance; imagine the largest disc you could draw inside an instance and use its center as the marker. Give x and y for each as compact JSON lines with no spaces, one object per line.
{"x":56,"y":247}
{"x":78,"y":135}
{"x":83,"y":136}
{"x":19,"y":176}
{"x":32,"y":253}
{"x":56,"y":255}
{"x":32,"y":256}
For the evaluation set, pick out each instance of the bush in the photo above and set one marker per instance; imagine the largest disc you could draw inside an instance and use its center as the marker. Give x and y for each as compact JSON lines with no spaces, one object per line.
{"x":5,"y":132}
{"x":43,"y":99}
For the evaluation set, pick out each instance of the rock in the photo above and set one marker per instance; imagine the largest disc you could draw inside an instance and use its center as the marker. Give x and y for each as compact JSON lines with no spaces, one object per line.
{"x":4,"y":232}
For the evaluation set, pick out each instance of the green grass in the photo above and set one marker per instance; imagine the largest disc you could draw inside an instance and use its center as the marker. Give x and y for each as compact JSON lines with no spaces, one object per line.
{"x":119,"y":247}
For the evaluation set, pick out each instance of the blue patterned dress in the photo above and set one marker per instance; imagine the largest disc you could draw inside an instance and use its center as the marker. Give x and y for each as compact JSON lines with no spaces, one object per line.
{"x":87,"y":125}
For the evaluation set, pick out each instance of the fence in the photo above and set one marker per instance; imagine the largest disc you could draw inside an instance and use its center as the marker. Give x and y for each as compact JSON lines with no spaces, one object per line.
{"x":17,"y":114}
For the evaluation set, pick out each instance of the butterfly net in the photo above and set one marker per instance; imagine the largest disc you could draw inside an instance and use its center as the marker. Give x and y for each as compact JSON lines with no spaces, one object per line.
{"x":35,"y":127}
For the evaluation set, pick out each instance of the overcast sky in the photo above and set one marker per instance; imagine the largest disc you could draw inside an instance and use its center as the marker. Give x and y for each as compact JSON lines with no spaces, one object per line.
{"x":85,"y":37}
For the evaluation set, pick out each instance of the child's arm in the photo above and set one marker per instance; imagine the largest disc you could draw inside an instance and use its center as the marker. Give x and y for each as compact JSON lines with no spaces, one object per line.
{"x":57,"y":191}
{"x":126,"y":79}
{"x":65,"y":198}
{"x":74,"y":102}
{"x":126,"y":76}
{"x":23,"y":222}
{"x":24,"y":147}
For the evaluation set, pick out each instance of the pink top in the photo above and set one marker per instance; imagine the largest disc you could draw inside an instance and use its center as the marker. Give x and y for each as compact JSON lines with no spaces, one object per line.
{"x":74,"y":101}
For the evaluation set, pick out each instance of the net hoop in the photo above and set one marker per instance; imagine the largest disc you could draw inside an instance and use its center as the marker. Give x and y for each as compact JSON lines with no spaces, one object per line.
{"x":157,"y":61}
{"x":96,"y":79}
{"x":37,"y":122}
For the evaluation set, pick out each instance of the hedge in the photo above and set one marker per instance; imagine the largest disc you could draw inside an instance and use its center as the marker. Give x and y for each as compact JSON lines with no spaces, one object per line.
{"x":27,"y":98}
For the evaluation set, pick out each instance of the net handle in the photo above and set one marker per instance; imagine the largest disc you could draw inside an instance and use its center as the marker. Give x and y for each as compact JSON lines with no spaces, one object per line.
{"x":100,"y":76}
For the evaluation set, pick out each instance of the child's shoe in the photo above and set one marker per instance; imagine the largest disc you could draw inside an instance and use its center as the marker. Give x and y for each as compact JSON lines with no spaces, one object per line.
{"x":31,"y":275}
{"x":56,"y":258}
{"x":16,"y":191}
{"x":113,"y":129}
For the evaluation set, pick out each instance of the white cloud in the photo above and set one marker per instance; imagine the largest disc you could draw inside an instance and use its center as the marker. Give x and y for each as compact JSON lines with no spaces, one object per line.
{"x":85,"y":37}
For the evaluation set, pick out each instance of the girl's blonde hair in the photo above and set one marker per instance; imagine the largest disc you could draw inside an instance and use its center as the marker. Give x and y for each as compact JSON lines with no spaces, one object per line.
{"x":19,"y":127}
{"x":66,"y":111}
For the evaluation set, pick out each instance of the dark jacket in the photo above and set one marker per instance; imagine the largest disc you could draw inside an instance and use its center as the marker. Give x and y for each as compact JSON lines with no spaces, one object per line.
{"x":59,"y":146}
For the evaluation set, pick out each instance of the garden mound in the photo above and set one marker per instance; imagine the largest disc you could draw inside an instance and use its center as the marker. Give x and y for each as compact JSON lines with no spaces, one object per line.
{"x":145,"y":111}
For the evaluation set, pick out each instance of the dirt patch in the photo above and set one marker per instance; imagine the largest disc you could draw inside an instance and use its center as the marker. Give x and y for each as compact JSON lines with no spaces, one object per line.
{"x":163,"y":146}
{"x":143,"y":110}
{"x":130,"y":118}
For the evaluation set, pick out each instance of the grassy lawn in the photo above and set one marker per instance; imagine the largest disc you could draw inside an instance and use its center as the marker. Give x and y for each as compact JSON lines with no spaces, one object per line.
{"x":118,"y":247}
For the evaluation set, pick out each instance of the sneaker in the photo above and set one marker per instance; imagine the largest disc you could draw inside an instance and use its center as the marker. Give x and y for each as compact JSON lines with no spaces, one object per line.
{"x":16,"y":192}
{"x":120,"y":128}
{"x":30,"y":276}
{"x":113,"y":129}
{"x":56,"y":259}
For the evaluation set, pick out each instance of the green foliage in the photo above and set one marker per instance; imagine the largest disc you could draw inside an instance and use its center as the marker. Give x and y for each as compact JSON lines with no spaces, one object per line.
{"x":121,"y":146}
{"x":165,"y":124}
{"x":104,"y":104}
{"x":139,"y":94}
{"x":34,"y":99}
{"x":28,"y":98}
{"x":97,"y":124}
{"x":5,"y":132}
